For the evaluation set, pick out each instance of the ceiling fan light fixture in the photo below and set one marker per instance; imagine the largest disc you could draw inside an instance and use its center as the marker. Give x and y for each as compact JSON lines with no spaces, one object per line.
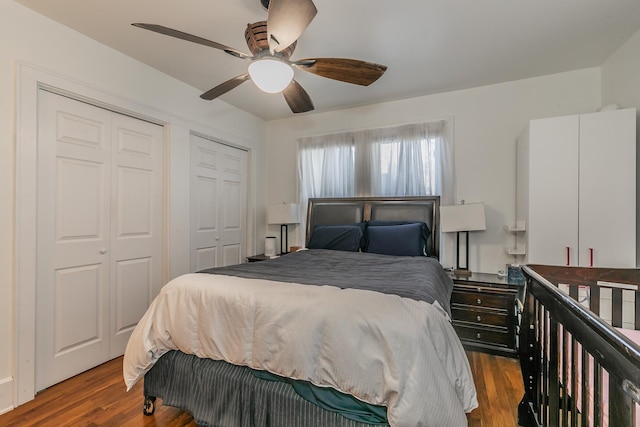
{"x":271,"y":75}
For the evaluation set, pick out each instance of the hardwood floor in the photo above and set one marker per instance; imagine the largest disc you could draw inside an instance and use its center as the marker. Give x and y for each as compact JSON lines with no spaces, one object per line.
{"x":499,"y":387}
{"x":98,"y":398}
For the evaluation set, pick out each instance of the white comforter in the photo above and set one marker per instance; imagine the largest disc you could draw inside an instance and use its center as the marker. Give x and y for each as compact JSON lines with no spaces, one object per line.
{"x":383,"y":349}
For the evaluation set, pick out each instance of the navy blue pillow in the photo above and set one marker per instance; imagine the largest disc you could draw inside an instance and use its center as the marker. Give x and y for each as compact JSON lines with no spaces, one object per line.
{"x":337,"y":237}
{"x":424,"y":230}
{"x":398,"y":240}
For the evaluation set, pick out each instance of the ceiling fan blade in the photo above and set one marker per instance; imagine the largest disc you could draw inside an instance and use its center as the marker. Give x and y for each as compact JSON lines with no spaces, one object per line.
{"x":191,"y":38}
{"x":298,"y":99}
{"x":287,"y":20}
{"x":346,"y":70}
{"x":225,"y":87}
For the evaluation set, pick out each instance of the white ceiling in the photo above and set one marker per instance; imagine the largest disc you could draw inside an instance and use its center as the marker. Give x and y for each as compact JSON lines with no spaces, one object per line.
{"x":430,"y":46}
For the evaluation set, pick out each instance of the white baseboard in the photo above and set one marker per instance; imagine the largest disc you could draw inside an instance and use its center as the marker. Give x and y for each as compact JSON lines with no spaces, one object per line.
{"x":6,"y":395}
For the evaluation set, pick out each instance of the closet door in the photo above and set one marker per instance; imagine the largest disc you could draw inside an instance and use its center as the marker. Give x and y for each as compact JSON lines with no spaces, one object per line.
{"x":233,"y":207}
{"x":74,"y":191}
{"x":99,"y":233}
{"x":218,"y":203}
{"x":608,"y":189}
{"x":136,"y":224}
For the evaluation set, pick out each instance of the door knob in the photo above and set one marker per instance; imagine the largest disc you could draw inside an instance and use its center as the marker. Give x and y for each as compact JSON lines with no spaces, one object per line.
{"x":103,"y":251}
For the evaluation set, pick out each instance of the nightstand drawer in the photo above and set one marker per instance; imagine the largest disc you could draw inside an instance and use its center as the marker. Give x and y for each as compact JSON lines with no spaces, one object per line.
{"x":478,"y":299}
{"x":485,"y":317}
{"x":494,"y":336}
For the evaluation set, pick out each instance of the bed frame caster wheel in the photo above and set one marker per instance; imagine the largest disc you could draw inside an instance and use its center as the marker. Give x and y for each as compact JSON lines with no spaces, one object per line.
{"x":149,"y":405}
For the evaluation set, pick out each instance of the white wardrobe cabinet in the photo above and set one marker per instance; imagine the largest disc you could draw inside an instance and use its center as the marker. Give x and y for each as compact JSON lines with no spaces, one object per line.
{"x":576,"y":190}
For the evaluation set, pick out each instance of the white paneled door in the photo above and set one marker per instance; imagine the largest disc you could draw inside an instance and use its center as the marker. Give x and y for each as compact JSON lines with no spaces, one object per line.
{"x":99,"y":237}
{"x":218,"y":204}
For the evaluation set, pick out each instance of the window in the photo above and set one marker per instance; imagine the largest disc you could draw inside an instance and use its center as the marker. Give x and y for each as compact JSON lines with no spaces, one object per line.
{"x":403,"y":168}
{"x":408,"y":160}
{"x":327,"y":168}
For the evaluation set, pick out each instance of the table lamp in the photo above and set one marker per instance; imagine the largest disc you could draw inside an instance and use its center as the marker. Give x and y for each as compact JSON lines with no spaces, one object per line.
{"x":462,"y":218}
{"x":283,"y":214}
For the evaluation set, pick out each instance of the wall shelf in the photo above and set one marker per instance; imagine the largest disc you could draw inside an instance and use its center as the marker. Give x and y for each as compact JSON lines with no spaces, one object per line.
{"x":518,"y":250}
{"x":519,"y":227}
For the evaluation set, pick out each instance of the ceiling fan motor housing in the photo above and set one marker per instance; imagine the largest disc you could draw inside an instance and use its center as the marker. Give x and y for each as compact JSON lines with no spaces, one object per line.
{"x":257,"y":40}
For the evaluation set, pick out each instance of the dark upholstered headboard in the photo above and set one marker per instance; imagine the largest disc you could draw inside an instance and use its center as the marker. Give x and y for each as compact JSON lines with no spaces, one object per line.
{"x":349,"y":210}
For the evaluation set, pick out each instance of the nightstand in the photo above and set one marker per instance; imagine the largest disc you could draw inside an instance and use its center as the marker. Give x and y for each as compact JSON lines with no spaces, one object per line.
{"x":486,"y":312}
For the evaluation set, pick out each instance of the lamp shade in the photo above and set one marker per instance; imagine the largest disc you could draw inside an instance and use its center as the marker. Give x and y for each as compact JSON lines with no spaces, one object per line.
{"x":285,"y":213}
{"x":465,"y":217}
{"x":270,"y":75}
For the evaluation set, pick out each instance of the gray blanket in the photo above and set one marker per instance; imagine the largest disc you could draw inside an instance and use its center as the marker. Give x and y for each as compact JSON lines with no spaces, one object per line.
{"x":418,"y":278}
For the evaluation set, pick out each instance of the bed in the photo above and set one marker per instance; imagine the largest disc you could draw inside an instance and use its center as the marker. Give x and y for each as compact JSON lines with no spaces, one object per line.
{"x":580,"y":347}
{"x":329,"y":336}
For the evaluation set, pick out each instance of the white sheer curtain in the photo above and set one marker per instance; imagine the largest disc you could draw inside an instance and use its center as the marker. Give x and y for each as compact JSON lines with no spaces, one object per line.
{"x":326,"y":166}
{"x":407,"y":160}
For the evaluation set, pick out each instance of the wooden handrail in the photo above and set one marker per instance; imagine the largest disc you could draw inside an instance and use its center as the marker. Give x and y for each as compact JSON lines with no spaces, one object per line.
{"x":549,"y":316}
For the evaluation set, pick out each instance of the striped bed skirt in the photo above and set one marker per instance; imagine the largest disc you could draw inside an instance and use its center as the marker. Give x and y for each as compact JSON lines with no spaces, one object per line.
{"x":217,"y":393}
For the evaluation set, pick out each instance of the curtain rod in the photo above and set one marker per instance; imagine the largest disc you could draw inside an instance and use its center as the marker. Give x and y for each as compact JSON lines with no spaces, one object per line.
{"x":446,"y":120}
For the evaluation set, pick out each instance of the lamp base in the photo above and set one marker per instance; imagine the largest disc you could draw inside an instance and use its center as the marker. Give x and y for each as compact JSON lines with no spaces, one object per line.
{"x":284,"y":239}
{"x":461,"y":272}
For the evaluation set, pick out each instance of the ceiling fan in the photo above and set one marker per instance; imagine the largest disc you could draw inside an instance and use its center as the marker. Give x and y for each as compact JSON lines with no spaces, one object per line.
{"x":272,"y":43}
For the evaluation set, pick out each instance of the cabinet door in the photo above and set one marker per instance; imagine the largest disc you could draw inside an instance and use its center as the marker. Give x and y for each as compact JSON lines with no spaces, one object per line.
{"x":553,"y":191}
{"x":607,"y":197}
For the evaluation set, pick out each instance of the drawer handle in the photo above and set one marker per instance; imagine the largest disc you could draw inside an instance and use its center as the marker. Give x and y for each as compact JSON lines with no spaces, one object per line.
{"x":479,"y":318}
{"x":478,"y":335}
{"x":479,"y":301}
